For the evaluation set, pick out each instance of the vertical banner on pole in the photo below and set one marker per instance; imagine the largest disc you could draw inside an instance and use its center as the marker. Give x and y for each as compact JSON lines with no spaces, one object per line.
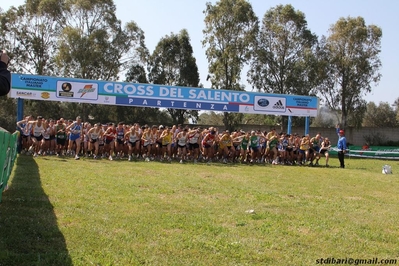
{"x":307,"y":121}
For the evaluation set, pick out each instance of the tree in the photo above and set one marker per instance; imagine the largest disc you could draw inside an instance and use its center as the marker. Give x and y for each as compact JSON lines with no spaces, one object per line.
{"x":136,"y":74}
{"x":94,"y":45}
{"x":396,"y":108}
{"x":211,"y":119}
{"x":230,"y":32}
{"x":285,"y":54}
{"x":382,"y":115}
{"x":325,"y":118}
{"x":349,"y":64}
{"x":142,"y":115}
{"x":7,"y":113}
{"x":172,"y":63}
{"x":29,"y":34}
{"x":284,"y":60}
{"x":258,"y":119}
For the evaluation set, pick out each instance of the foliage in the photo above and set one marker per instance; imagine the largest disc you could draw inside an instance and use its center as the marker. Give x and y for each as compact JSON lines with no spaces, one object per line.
{"x":382,"y":115}
{"x":77,"y":39}
{"x":391,"y":143}
{"x":141,"y":115}
{"x":85,"y":39}
{"x":349,"y":64}
{"x":375,"y":139}
{"x":136,"y":74}
{"x":93,"y":44}
{"x":59,"y":211}
{"x":210,"y":118}
{"x":172,"y":63}
{"x":229,"y":35}
{"x":30,"y":37}
{"x":29,"y":34}
{"x":258,"y":119}
{"x":285,"y":57}
{"x":325,"y":118}
{"x":8,"y":113}
{"x":232,"y":120}
{"x":357,"y":116}
{"x":284,"y":61}
{"x":396,"y":106}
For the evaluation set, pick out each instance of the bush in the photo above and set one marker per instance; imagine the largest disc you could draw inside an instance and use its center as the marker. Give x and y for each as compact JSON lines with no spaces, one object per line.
{"x":392,"y":143}
{"x":374,"y":139}
{"x":379,"y":140}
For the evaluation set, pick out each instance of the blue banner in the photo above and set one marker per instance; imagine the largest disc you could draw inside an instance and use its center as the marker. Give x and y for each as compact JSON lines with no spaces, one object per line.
{"x":162,"y":96}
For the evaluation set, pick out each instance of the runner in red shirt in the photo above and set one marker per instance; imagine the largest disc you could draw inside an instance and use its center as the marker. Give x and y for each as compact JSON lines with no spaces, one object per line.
{"x":110,"y":135}
{"x":208,"y":144}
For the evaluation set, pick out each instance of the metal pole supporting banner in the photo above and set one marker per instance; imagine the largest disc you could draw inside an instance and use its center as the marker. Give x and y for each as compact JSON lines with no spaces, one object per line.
{"x":20,"y":116}
{"x":20,"y":109}
{"x":307,"y":120}
{"x":289,"y":125}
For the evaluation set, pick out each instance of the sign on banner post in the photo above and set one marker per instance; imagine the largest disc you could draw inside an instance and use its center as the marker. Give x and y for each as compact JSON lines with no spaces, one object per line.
{"x":159,"y":96}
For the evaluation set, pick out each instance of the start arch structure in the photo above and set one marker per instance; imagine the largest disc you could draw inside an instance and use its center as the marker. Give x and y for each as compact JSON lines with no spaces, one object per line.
{"x":47,"y":88}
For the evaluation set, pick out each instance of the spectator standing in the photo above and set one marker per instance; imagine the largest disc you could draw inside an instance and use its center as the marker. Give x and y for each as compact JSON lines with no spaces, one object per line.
{"x":341,"y":148}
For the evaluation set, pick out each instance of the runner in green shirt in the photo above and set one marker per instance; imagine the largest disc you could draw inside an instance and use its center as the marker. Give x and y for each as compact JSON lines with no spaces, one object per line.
{"x":244,"y":146}
{"x":254,"y":145}
{"x":60,"y":135}
{"x":273,"y":141}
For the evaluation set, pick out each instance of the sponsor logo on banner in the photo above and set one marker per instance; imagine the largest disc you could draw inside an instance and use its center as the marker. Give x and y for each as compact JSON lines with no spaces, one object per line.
{"x":45,"y":95}
{"x":86,"y":89}
{"x":278,"y":105}
{"x":25,"y":94}
{"x":106,"y":99}
{"x":263,"y":102}
{"x":66,"y":90}
{"x":270,"y":104}
{"x":66,"y":86}
{"x":77,"y":90}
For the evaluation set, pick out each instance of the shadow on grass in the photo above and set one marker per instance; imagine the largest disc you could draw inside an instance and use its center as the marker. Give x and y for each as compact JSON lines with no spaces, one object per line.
{"x":29,"y":234}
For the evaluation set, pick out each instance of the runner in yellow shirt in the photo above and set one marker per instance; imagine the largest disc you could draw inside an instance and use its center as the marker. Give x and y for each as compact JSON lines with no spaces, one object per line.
{"x":226,"y":145}
{"x":304,"y":149}
{"x":166,"y":137}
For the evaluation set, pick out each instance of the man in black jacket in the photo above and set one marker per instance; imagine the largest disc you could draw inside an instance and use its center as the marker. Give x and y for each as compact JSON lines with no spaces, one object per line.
{"x":5,"y":76}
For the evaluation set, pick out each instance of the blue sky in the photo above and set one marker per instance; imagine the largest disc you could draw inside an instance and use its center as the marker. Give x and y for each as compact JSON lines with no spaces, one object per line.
{"x":158,"y":18}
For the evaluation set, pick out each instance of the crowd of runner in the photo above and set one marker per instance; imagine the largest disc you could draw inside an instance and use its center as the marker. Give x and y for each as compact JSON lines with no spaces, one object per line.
{"x":162,"y":143}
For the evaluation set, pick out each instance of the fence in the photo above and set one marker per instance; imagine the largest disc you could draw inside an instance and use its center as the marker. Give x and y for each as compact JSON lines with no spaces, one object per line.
{"x":375,"y":152}
{"x":8,"y":153}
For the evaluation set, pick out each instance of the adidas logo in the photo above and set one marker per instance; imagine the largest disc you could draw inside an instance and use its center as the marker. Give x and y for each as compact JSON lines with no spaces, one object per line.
{"x":278,"y":105}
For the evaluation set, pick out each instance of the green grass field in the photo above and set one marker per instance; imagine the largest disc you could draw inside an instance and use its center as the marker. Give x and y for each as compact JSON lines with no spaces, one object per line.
{"x":58,"y":211}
